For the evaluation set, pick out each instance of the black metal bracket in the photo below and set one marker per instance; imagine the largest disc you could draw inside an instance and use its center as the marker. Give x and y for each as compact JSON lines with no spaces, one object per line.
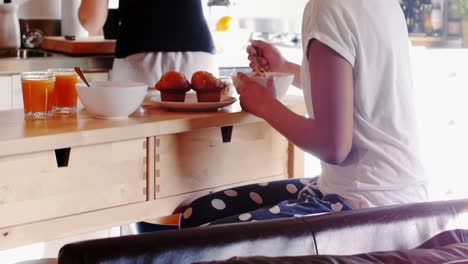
{"x":62,"y":156}
{"x":226,"y":133}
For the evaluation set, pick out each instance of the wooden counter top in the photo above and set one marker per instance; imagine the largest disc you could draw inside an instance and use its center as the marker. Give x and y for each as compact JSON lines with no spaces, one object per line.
{"x":18,"y":136}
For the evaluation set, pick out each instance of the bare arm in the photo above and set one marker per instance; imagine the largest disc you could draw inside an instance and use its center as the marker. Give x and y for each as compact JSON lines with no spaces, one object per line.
{"x":93,"y":14}
{"x":329,"y":135}
{"x":294,"y":69}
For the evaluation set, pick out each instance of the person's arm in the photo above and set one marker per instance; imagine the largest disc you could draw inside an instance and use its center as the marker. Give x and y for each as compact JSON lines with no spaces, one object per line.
{"x":294,"y":69}
{"x":93,"y":14}
{"x":329,"y":135}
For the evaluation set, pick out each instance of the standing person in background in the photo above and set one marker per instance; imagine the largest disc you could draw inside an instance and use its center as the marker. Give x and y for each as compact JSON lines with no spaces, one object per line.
{"x":357,"y":85}
{"x":155,"y":37}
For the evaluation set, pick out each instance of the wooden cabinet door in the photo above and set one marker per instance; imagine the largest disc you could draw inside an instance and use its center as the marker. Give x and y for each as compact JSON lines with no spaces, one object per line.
{"x":57,"y":183}
{"x":200,"y":160}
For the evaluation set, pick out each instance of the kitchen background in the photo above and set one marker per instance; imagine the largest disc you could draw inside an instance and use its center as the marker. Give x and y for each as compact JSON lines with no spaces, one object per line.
{"x":34,"y":9}
{"x":437,"y":18}
{"x":440,"y":70}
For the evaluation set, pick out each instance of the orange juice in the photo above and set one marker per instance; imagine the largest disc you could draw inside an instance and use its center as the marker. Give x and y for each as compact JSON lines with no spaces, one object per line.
{"x":65,"y":94}
{"x":38,"y":94}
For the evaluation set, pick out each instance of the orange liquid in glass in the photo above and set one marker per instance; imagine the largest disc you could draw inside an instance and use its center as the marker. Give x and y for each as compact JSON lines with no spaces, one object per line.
{"x":38,"y":95}
{"x":65,"y":92}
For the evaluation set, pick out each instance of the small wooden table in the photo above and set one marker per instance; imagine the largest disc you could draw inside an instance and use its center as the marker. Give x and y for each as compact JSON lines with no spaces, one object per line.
{"x":76,"y":174}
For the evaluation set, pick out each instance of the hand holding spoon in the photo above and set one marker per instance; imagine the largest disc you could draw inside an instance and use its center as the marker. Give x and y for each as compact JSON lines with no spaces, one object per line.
{"x":259,"y":72}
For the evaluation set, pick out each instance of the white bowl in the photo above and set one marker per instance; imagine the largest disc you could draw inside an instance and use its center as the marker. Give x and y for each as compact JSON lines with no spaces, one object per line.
{"x":111,"y":99}
{"x":281,"y":81}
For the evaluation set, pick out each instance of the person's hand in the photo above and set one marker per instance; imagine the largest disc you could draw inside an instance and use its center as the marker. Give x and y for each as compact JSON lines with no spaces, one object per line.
{"x":263,"y":55}
{"x":255,"y":98}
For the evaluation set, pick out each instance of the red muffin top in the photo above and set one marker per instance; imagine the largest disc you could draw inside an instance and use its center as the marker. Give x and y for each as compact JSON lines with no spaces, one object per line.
{"x":173,"y":80}
{"x":205,"y":81}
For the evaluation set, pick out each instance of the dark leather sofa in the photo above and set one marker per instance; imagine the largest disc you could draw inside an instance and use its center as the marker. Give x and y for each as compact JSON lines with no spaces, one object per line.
{"x":437,"y":228}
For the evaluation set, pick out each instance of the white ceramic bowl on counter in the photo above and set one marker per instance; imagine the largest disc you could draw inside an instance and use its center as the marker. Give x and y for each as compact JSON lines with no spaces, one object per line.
{"x":281,"y":81}
{"x":111,"y":99}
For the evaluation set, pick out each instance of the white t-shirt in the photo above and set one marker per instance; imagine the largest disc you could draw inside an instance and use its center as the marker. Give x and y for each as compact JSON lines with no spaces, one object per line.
{"x":383,"y":167}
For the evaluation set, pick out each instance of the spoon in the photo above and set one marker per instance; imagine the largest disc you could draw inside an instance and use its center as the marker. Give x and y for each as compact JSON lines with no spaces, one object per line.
{"x":80,"y":73}
{"x":259,"y":72}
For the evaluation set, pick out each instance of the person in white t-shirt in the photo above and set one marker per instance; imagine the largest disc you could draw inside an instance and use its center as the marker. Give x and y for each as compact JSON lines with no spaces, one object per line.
{"x":361,"y":123}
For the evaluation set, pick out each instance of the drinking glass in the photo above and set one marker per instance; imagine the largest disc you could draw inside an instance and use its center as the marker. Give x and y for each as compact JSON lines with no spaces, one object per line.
{"x":65,"y":95}
{"x":38,"y":94}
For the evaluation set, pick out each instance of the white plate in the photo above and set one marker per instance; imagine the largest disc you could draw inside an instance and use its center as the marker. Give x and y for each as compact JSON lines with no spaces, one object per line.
{"x":191,"y":103}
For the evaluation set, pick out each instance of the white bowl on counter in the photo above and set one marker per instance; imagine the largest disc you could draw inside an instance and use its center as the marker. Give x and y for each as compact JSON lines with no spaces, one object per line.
{"x":281,"y":81}
{"x":111,"y":99}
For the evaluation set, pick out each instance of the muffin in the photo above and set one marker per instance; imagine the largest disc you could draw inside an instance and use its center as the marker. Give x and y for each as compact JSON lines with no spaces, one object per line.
{"x":207,"y":86}
{"x":173,"y":86}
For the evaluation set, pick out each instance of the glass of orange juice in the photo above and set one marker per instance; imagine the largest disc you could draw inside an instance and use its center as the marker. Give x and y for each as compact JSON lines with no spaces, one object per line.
{"x":38,"y":94}
{"x":65,"y":95}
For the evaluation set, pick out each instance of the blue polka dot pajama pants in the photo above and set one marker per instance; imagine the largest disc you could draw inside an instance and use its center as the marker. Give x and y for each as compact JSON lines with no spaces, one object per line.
{"x":254,"y":202}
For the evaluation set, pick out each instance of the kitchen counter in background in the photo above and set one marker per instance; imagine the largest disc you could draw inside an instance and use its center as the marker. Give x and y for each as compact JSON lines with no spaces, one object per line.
{"x":437,"y":42}
{"x":227,"y":60}
{"x":95,"y":63}
{"x":103,"y":63}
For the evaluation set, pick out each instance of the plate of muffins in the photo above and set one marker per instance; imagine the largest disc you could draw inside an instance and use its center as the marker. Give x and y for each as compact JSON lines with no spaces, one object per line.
{"x":175,"y":92}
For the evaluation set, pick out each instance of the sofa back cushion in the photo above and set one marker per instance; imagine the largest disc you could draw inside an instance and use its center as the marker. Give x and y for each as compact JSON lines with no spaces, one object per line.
{"x":401,"y":227}
{"x":455,"y":253}
{"x":391,"y":228}
{"x":271,"y":238}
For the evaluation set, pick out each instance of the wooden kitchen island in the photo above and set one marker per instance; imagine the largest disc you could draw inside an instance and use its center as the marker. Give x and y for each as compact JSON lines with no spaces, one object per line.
{"x":76,"y":174}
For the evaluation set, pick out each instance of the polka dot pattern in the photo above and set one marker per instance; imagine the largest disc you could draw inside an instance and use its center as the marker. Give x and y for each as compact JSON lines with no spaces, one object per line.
{"x":245,"y":217}
{"x":337,"y":207}
{"x":256,"y":197}
{"x":188,"y":213}
{"x":291,"y":198}
{"x":231,"y":193}
{"x":308,"y":191}
{"x":304,"y":181}
{"x":275,"y":210}
{"x":218,"y":204}
{"x":291,"y":188}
